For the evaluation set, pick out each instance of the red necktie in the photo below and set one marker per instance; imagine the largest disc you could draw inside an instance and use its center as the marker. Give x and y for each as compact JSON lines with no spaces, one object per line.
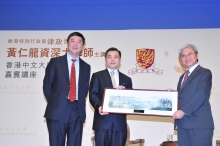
{"x":185,"y":77}
{"x":72,"y":92}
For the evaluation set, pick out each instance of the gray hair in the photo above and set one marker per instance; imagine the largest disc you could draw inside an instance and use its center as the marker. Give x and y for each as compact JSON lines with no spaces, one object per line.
{"x":188,"y":46}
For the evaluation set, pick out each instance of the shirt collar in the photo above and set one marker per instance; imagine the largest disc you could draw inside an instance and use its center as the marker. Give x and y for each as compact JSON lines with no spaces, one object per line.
{"x":192,"y":68}
{"x":109,"y":70}
{"x":69,"y":58}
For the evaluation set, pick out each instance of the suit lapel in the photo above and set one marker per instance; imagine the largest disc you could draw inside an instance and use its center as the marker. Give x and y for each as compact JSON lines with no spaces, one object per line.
{"x":81,"y":70}
{"x":180,"y":81}
{"x":107,"y":78}
{"x":191,"y":76}
{"x":121,"y":81}
{"x":64,"y":64}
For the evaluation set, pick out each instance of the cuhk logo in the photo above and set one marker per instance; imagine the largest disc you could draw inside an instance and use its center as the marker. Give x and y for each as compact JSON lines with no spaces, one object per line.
{"x":145,"y":62}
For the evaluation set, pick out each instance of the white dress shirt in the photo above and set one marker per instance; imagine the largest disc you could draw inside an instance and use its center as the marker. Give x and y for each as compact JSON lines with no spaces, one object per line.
{"x":76,"y":63}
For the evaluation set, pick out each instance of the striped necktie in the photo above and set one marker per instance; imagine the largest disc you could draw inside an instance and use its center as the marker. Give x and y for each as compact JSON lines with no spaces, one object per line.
{"x":185,"y":78}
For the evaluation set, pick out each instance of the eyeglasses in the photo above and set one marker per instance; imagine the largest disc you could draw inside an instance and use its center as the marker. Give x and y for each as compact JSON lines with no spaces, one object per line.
{"x":186,"y":55}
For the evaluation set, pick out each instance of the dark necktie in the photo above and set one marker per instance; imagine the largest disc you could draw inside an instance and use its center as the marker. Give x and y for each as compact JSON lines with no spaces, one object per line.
{"x":72,"y":91}
{"x":185,"y":78}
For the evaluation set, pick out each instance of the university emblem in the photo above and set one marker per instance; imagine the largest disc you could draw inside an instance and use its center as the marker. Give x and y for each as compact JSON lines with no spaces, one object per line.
{"x":145,"y":57}
{"x":145,"y":62}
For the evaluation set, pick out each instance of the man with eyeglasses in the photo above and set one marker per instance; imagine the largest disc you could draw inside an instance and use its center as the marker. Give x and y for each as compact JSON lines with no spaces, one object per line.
{"x":193,"y":119}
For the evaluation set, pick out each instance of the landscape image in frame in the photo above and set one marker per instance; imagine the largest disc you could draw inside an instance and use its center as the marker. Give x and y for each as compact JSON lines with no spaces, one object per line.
{"x":151,"y":102}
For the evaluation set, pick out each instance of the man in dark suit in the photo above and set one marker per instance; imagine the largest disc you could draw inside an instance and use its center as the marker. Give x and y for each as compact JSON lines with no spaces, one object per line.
{"x":110,"y":129}
{"x":194,"y":120}
{"x":65,"y":116}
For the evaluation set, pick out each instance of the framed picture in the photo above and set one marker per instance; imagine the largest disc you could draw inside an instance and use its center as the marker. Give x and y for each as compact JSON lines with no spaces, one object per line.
{"x":140,"y":101}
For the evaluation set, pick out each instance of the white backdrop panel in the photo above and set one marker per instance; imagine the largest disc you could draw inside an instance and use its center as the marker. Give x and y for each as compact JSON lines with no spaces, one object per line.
{"x":22,"y":103}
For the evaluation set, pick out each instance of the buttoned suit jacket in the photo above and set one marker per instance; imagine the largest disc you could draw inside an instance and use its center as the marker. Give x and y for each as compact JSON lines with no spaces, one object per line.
{"x":99,"y":81}
{"x":56,"y":86}
{"x":194,"y":99}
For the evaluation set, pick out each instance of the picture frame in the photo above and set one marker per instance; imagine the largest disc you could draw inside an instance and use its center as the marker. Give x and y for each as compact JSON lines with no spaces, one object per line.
{"x":140,"y":101}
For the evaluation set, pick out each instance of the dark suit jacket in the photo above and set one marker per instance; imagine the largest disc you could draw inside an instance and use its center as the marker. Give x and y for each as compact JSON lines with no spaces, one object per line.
{"x":56,"y":87}
{"x":99,"y":81}
{"x":194,"y":99}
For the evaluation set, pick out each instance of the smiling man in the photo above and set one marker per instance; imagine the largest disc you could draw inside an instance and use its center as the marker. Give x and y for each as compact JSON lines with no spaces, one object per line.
{"x":110,"y":129}
{"x":65,"y":87}
{"x":194,"y":120}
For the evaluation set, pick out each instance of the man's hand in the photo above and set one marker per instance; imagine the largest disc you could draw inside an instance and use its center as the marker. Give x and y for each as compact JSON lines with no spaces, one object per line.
{"x":169,"y":89}
{"x":101,"y":111}
{"x":120,"y":87}
{"x":178,"y":114}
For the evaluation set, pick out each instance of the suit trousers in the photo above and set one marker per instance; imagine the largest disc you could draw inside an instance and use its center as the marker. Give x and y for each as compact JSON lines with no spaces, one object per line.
{"x":69,"y":125}
{"x":195,"y":137}
{"x":110,"y":137}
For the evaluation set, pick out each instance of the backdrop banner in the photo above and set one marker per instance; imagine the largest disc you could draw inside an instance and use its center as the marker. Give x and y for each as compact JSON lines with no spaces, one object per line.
{"x":149,"y":57}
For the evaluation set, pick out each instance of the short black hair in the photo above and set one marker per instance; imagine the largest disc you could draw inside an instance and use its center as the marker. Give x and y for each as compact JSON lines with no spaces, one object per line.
{"x":76,"y":34}
{"x":113,"y":49}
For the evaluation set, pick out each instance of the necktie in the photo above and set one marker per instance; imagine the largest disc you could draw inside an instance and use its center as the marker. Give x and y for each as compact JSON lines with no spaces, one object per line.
{"x":185,"y":77}
{"x":72,"y":91}
{"x":113,"y":79}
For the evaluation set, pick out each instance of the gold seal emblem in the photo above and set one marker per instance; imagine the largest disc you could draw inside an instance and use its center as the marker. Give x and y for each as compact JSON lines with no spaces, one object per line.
{"x":145,"y":57}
